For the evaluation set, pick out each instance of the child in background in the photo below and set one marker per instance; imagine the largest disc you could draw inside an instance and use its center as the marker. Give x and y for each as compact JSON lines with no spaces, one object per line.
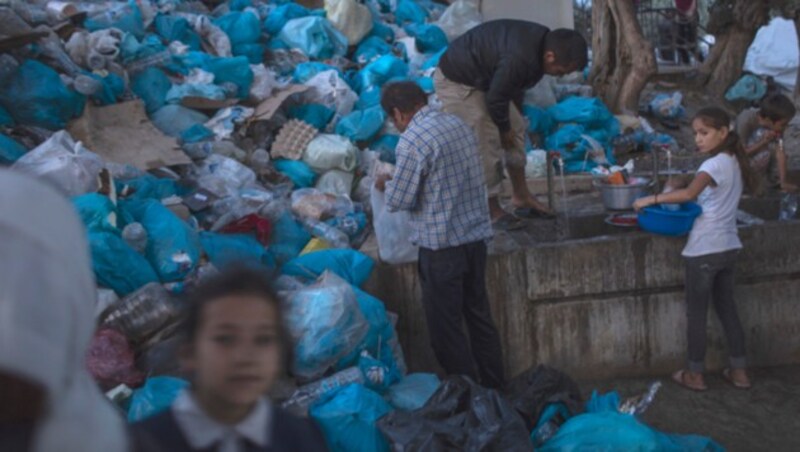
{"x":761,"y":131}
{"x":235,"y":348}
{"x":713,"y":246}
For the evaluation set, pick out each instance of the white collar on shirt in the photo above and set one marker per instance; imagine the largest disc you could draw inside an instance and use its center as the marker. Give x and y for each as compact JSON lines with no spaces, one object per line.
{"x":202,"y":432}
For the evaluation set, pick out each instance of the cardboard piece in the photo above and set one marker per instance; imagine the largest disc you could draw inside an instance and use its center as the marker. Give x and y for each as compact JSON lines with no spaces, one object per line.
{"x":122,"y":133}
{"x":267,"y":109}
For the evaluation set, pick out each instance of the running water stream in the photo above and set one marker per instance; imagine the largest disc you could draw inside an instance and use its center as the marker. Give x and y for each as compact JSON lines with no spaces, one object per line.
{"x":564,"y":205}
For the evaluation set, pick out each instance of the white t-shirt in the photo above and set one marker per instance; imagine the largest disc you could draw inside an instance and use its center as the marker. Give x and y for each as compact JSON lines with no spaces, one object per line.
{"x":714,"y":231}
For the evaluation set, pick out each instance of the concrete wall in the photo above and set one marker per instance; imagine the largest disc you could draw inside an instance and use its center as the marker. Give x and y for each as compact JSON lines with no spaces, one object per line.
{"x":552,"y":13}
{"x":614,"y":306}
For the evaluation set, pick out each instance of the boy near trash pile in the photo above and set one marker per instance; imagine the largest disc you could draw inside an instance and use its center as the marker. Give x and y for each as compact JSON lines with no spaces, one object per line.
{"x":439,"y":180}
{"x":236,"y":346}
{"x":482,"y":78}
{"x":762,"y":131}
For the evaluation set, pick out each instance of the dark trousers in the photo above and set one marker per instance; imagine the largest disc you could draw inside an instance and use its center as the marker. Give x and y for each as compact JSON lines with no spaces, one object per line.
{"x":709,"y":278}
{"x":453,"y":293}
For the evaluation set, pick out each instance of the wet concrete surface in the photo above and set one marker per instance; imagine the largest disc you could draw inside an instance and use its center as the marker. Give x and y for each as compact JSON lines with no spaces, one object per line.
{"x":764,"y":418}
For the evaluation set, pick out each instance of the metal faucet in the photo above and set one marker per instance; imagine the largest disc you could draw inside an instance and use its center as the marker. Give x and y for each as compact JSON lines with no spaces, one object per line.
{"x":654,"y":151}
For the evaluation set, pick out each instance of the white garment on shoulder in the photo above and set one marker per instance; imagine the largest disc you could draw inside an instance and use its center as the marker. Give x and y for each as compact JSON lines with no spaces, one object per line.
{"x":203,"y":432}
{"x":714,"y":231}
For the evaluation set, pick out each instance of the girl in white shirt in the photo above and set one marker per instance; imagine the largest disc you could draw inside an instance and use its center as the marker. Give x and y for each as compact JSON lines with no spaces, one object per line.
{"x":713,"y":246}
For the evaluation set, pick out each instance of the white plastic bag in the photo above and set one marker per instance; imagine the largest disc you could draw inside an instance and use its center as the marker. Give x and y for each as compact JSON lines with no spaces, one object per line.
{"x":329,"y":89}
{"x":327,"y":152}
{"x":460,"y":17}
{"x":393,"y":231}
{"x":222,"y":176}
{"x":352,"y":19}
{"x":336,"y":182}
{"x":65,"y":163}
{"x":536,"y":164}
{"x":264,"y":82}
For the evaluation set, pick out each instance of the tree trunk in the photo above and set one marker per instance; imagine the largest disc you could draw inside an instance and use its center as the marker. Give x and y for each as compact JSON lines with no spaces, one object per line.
{"x":797,"y":81}
{"x":623,"y":60}
{"x":726,"y":59}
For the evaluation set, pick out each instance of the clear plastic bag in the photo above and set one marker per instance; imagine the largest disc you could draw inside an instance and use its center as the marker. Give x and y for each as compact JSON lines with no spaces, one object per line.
{"x":393,"y":231}
{"x":222,"y":176}
{"x":336,"y":182}
{"x":460,"y":17}
{"x":329,"y":89}
{"x":63,"y":162}
{"x":413,"y":391}
{"x":327,"y":152}
{"x":351,"y":18}
{"x":310,"y":203}
{"x":325,"y":322}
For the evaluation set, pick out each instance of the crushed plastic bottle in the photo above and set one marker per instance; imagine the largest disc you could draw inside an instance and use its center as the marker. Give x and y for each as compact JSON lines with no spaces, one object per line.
{"x":304,"y":396}
{"x":333,"y":236}
{"x":788,"y":206}
{"x":545,"y":432}
{"x":142,"y":313}
{"x":638,"y":405}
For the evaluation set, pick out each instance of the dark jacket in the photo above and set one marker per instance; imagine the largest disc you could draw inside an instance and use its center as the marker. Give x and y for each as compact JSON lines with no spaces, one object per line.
{"x":161,"y":433}
{"x":503,"y":58}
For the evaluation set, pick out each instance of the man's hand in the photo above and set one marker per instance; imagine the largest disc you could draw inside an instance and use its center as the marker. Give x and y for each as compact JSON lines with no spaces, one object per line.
{"x":380,"y":182}
{"x":507,"y":140}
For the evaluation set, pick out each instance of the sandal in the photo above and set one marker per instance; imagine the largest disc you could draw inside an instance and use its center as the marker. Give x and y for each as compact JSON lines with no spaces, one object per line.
{"x":680,"y":378}
{"x":726,"y":374}
{"x":507,"y":222}
{"x":530,"y":213}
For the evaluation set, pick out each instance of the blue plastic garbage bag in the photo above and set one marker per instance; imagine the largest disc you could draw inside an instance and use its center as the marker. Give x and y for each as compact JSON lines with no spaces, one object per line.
{"x":368,"y":98}
{"x":35,"y":96}
{"x":173,"y":248}
{"x":379,"y":376}
{"x":386,"y":146}
{"x":590,"y":112}
{"x":433,"y":61}
{"x":315,"y":37}
{"x":347,"y":418}
{"x":568,"y":141}
{"x":749,"y":88}
{"x":382,"y":31}
{"x":118,"y":266}
{"x":276,"y":20}
{"x":306,"y":71}
{"x":112,"y":91}
{"x":5,"y":118}
{"x":235,"y":70}
{"x":95,"y":211}
{"x":609,"y":430}
{"x":196,"y":134}
{"x":241,"y":27}
{"x":426,"y":83}
{"x":352,"y":224}
{"x":151,"y":187}
{"x":239,"y":5}
{"x":428,"y":38}
{"x":132,"y":49}
{"x":226,"y":249}
{"x":209,"y":91}
{"x":173,"y":120}
{"x":10,"y":150}
{"x":409,"y":11}
{"x":298,"y":171}
{"x":413,"y":391}
{"x":362,"y":125}
{"x":155,"y":396}
{"x":174,"y":28}
{"x":317,"y":115}
{"x":381,"y":71}
{"x":126,"y":17}
{"x":539,"y":120}
{"x":254,"y":52}
{"x":351,"y":265}
{"x":667,"y":106}
{"x":380,"y":332}
{"x":371,"y":48}
{"x":288,"y":238}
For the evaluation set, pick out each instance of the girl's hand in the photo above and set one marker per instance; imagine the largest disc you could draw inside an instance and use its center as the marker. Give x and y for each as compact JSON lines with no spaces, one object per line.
{"x":641,"y":203}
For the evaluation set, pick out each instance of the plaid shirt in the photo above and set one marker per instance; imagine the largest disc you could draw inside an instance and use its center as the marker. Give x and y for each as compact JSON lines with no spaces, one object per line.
{"x":439,"y":179}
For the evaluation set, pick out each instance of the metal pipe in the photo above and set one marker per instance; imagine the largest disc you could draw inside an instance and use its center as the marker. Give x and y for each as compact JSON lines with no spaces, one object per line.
{"x":550,"y":197}
{"x":656,"y":185}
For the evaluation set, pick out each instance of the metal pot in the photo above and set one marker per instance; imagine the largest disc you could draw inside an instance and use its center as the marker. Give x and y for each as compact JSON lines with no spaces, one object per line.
{"x":621,"y":197}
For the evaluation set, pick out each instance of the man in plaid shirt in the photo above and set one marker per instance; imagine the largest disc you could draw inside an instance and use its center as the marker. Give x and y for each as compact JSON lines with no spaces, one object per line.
{"x":439,"y":180}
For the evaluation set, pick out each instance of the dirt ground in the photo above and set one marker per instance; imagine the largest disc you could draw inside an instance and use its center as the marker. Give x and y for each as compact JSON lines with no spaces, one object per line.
{"x":764,"y":418}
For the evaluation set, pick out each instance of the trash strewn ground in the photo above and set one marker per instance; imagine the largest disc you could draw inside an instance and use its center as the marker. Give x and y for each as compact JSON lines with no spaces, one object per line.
{"x":767,"y":417}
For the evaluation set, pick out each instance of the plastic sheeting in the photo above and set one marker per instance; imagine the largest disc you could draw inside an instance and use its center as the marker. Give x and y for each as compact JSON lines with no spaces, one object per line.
{"x":767,"y":57}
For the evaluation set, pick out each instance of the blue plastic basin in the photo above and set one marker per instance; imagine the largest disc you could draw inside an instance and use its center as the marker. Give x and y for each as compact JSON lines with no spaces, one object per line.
{"x":676,"y":223}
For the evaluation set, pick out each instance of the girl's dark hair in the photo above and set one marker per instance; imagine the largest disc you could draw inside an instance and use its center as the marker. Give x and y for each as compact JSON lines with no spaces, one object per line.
{"x":243,"y":281}
{"x":717,"y":118}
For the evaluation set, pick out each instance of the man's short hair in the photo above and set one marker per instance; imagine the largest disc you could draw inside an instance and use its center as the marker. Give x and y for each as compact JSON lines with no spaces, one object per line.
{"x":404,"y":96}
{"x":777,"y":107}
{"x":569,"y":48}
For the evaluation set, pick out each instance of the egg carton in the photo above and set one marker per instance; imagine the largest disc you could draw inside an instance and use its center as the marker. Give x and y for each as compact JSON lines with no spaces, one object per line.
{"x":293,"y":139}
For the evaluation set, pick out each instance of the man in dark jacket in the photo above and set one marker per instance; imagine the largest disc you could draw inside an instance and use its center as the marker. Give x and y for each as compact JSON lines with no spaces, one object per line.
{"x":482,"y":78}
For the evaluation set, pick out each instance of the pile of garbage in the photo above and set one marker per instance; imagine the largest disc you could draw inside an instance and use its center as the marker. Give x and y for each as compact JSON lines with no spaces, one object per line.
{"x":194,"y":134}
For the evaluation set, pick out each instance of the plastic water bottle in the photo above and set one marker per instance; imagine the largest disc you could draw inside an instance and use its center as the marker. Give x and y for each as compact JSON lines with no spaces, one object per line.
{"x":788,"y":206}
{"x":135,"y":236}
{"x":333,"y":236}
{"x":155,"y":60}
{"x":545,"y":432}
{"x":304,"y":396}
{"x":142,"y":313}
{"x":638,"y":405}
